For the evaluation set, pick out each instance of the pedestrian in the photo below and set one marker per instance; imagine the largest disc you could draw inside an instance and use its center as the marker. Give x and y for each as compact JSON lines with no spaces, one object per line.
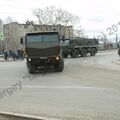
{"x":13,"y":54}
{"x":10,"y":54}
{"x":16,"y":54}
{"x":19,"y":54}
{"x":6,"y":55}
{"x":22,"y":54}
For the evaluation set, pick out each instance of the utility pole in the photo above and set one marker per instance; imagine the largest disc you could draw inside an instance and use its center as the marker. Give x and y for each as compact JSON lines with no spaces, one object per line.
{"x":117,"y":43}
{"x":116,"y":38}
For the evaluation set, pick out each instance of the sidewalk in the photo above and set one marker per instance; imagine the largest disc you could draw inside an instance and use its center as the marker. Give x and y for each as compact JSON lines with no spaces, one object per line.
{"x":3,"y":60}
{"x":113,"y":50}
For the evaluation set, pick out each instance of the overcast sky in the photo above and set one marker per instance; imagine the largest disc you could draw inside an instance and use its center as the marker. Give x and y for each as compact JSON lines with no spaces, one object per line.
{"x":96,"y":16}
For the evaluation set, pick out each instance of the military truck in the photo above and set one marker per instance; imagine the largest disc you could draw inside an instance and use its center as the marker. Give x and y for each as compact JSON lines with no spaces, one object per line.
{"x":118,"y":46}
{"x":118,"y":51}
{"x":43,"y":50}
{"x":79,"y":46}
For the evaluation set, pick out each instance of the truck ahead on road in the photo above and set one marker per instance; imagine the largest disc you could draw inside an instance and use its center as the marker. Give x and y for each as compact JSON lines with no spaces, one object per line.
{"x":43,"y":50}
{"x":118,"y":46}
{"x":79,"y":46}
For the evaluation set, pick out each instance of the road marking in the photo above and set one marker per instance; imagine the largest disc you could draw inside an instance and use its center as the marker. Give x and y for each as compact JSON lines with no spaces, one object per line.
{"x":64,"y":87}
{"x":61,"y":87}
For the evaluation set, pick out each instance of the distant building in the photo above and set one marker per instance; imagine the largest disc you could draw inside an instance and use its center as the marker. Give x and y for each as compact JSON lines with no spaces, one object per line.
{"x":101,"y":45}
{"x":108,"y":45}
{"x":115,"y":45}
{"x":14,"y":31}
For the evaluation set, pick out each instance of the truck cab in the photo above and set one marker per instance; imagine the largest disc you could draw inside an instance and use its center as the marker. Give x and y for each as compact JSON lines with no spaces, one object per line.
{"x":43,"y":50}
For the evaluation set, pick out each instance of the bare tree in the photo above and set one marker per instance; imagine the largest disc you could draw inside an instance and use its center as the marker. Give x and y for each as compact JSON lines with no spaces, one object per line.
{"x":53,"y":16}
{"x":80,"y":32}
{"x":1,"y":25}
{"x":9,"y":20}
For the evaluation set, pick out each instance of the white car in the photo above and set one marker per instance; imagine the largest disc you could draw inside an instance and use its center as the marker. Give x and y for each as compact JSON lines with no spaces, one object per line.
{"x":1,"y":55}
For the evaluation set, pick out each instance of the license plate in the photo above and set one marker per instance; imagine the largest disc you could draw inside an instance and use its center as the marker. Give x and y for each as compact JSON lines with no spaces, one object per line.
{"x":43,"y":57}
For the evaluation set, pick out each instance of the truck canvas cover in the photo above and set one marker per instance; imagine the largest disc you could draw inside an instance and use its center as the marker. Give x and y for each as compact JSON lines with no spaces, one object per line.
{"x":42,"y":44}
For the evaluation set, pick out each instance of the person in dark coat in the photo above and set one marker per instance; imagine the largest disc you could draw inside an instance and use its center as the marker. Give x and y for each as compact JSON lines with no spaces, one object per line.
{"x":21,"y":54}
{"x":13,"y":54}
{"x":6,"y":55}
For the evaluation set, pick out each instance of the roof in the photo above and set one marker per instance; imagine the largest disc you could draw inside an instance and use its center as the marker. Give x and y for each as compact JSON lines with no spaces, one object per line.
{"x":41,"y":33}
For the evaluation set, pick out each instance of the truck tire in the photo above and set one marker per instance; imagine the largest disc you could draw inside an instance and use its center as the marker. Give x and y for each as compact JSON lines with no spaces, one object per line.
{"x":93,"y":52}
{"x":75,"y":53}
{"x":84,"y":52}
{"x":31,"y":68}
{"x":60,"y":66}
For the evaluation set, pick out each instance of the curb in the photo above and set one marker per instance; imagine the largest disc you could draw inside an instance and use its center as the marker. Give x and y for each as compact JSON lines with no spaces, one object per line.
{"x":107,"y":51}
{"x":6,"y":60}
{"x":24,"y":116}
{"x":1,"y":59}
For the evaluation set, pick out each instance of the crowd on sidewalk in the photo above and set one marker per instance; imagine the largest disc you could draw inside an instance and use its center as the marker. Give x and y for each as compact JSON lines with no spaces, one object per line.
{"x":16,"y":54}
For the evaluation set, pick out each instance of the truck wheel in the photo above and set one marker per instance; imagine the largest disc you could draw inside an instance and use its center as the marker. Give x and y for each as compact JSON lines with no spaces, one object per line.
{"x":93,"y":52}
{"x":60,"y":66}
{"x":31,"y":68}
{"x":75,"y":53}
{"x":84,"y":52}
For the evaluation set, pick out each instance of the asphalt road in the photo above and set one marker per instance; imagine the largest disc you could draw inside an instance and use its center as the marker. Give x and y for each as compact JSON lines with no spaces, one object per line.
{"x":87,"y":89}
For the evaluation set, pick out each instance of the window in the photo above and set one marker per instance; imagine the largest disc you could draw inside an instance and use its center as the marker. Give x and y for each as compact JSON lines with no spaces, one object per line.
{"x":34,"y":38}
{"x":50,"y":38}
{"x":42,"y":38}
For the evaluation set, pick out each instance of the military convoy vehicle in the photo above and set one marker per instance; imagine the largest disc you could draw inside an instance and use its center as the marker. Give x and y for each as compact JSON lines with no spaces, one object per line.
{"x":43,"y":50}
{"x":119,"y":51}
{"x":79,"y":46}
{"x":118,"y":46}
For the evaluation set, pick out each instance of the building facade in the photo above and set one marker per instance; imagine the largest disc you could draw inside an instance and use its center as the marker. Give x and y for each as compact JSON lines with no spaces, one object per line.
{"x":14,"y":31}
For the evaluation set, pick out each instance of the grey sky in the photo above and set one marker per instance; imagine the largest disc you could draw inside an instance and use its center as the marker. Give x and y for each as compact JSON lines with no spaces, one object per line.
{"x":95,"y":15}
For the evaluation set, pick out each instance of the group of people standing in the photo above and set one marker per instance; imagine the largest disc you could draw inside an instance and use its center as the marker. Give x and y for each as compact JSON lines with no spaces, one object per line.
{"x":14,"y":54}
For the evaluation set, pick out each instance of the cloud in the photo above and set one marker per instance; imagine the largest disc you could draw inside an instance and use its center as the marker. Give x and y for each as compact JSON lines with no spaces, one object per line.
{"x":96,"y":19}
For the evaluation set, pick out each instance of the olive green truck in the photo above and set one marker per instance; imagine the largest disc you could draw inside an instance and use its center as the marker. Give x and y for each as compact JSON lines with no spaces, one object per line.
{"x":43,"y":49}
{"x":118,"y":46}
{"x":79,"y":46}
